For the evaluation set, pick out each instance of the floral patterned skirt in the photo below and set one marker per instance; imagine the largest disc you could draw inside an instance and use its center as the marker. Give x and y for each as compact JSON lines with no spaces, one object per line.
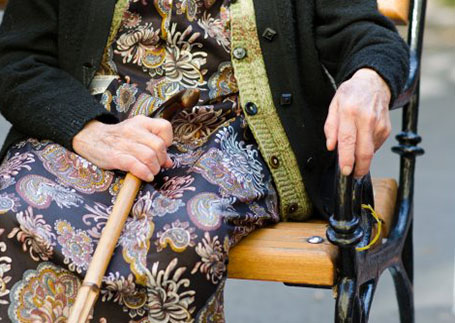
{"x":170,"y":262}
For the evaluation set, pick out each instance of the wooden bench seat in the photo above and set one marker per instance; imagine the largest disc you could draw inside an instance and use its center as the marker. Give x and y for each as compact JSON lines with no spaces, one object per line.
{"x":282,"y":253}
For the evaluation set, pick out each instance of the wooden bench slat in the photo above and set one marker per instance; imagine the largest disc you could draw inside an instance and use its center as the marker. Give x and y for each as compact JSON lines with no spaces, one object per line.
{"x":281,"y":252}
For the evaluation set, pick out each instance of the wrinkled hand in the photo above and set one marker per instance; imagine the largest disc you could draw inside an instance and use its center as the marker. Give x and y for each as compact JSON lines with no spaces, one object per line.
{"x":137,"y":145}
{"x":358,"y":121}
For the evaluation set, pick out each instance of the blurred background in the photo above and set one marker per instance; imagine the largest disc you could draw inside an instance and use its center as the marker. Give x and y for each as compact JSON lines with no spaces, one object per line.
{"x":434,"y":230}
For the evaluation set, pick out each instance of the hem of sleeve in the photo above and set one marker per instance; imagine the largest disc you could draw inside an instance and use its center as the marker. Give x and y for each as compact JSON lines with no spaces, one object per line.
{"x":75,"y":120}
{"x":383,"y":66}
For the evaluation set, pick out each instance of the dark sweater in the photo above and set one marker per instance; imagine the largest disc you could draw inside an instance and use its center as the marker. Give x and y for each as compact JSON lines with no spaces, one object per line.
{"x":51,"y":49}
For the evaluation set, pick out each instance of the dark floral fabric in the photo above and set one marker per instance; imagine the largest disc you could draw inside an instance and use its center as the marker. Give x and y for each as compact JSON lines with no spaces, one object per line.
{"x":170,"y":262}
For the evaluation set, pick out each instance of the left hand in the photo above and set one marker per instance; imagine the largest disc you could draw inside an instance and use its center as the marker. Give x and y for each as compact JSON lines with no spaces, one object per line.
{"x":358,"y":121}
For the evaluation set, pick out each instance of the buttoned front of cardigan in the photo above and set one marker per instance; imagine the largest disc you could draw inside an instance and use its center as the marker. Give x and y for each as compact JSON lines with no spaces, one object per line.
{"x":298,"y":42}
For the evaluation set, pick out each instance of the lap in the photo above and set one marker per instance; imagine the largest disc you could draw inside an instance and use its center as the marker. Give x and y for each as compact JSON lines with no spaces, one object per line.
{"x":54,"y":205}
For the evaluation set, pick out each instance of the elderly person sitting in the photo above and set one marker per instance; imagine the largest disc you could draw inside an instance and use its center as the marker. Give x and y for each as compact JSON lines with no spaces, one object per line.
{"x":78,"y":79}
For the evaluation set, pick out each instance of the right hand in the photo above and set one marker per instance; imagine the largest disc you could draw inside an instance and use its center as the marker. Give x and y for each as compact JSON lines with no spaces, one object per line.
{"x":137,"y":145}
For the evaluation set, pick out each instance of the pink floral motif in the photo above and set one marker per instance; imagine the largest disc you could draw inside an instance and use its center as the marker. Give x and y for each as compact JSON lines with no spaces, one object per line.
{"x":43,"y":295}
{"x":217,"y":29}
{"x":164,"y":205}
{"x":234,"y":167}
{"x":131,"y":20}
{"x":178,"y":235}
{"x":169,"y":297}
{"x":207,"y":210}
{"x":77,"y":246}
{"x":125,"y":96}
{"x":11,"y":166}
{"x":125,"y":292}
{"x":141,"y":46}
{"x":98,"y":214}
{"x":5,"y":266}
{"x":73,"y":170}
{"x":193,"y":128}
{"x":8,"y":202}
{"x":174,"y":187}
{"x":39,"y":192}
{"x":35,"y":235}
{"x":213,"y":258}
{"x":223,"y":82}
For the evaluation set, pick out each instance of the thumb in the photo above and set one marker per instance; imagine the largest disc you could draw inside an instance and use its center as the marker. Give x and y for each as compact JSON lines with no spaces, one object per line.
{"x":331,"y":125}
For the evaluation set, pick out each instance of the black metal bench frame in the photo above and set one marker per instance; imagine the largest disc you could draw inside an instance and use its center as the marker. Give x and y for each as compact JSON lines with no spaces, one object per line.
{"x":359,"y":272}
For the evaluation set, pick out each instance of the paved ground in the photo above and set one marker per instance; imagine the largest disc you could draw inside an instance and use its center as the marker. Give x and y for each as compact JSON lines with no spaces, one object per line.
{"x":259,"y":302}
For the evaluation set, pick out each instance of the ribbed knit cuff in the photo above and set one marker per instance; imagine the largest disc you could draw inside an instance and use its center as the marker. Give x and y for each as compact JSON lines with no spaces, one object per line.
{"x":394,"y":73}
{"x":77,"y":117}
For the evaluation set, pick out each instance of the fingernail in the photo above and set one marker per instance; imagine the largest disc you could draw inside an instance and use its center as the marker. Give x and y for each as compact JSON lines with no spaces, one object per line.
{"x":347,"y":170}
{"x":329,"y":144}
{"x":150,"y":178}
{"x":169,"y":162}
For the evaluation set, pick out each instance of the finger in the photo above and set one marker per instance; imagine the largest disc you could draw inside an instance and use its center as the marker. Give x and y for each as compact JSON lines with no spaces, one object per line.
{"x":364,"y":151}
{"x":160,"y":127}
{"x":331,"y":125}
{"x":382,"y":132}
{"x":347,"y":136}
{"x":156,"y":144}
{"x":146,"y":156}
{"x":169,"y":163}
{"x":130,"y":164}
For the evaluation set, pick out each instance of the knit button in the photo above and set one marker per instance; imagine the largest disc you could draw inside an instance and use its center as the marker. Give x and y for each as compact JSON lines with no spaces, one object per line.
{"x":269,"y":34}
{"x":274,"y":162}
{"x":239,"y":53}
{"x":251,"y":108}
{"x":292,"y":208}
{"x":286,"y":99}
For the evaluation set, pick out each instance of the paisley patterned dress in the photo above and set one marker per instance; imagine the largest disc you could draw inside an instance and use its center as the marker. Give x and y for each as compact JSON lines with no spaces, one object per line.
{"x":170,"y":262}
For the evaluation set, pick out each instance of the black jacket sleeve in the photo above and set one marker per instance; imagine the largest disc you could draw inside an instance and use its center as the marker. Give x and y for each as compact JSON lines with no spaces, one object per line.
{"x":352,"y":34}
{"x":40,"y":99}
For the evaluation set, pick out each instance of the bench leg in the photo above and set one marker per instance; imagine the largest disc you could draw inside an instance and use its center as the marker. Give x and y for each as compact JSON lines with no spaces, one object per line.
{"x":403,"y":278}
{"x":353,"y":306}
{"x":345,"y":302}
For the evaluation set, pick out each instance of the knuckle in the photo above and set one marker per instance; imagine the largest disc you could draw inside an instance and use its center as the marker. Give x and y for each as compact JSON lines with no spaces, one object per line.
{"x":328,"y":126}
{"x":149,"y":156}
{"x":128,"y":164}
{"x":370,"y":118}
{"x":139,"y":170}
{"x":155,"y":170}
{"x":347,"y":138}
{"x":384,"y":130}
{"x":350,"y":109}
{"x":166,"y":124}
{"x":365,"y":156}
{"x":139,"y":119}
{"x":387,"y":129}
{"x":160,"y":146}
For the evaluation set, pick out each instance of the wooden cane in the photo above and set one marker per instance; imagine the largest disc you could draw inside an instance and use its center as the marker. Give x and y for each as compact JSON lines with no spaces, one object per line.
{"x":89,"y":291}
